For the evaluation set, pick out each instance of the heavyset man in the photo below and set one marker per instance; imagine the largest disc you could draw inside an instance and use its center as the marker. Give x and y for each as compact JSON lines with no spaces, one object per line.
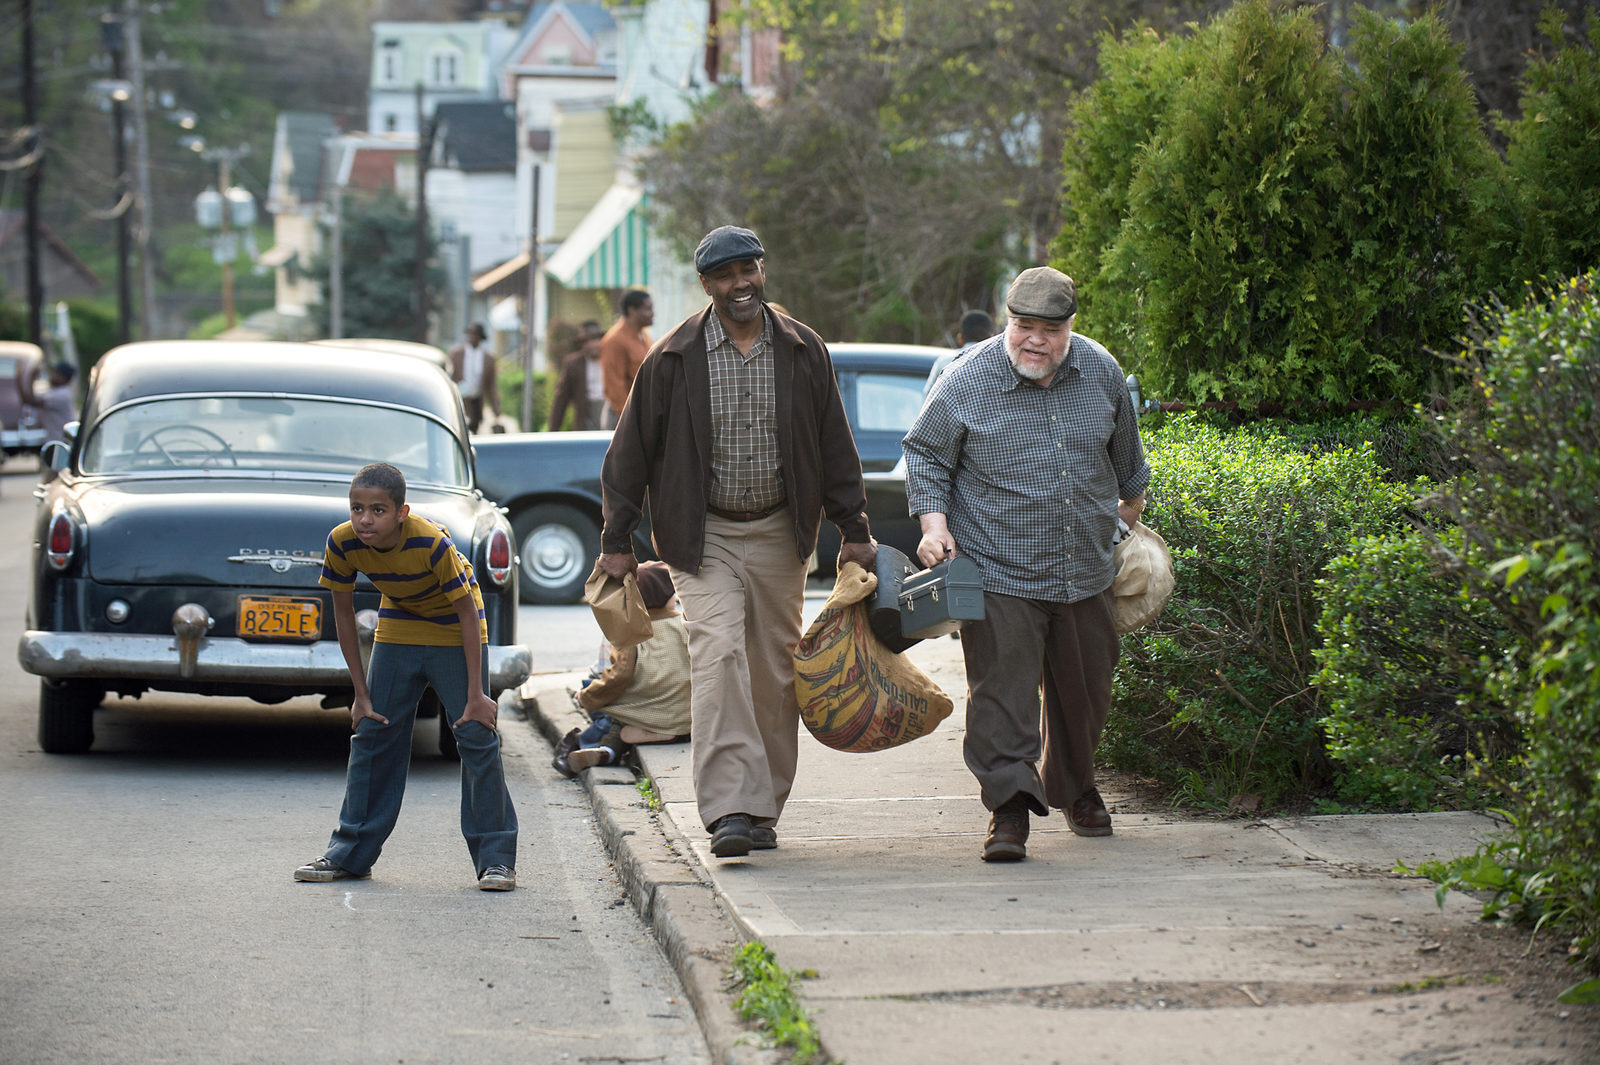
{"x":735,"y":429}
{"x":1026,"y":453}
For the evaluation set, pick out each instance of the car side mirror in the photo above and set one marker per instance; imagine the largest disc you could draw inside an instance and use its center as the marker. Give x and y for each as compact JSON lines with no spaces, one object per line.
{"x":55,"y":455}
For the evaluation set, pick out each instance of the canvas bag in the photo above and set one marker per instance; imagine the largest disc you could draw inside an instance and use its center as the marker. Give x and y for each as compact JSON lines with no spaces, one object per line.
{"x":855,"y":694}
{"x":618,"y":607}
{"x":1144,"y":579}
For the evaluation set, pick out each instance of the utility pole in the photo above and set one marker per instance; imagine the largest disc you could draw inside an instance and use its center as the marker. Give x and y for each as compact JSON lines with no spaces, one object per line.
{"x":424,"y":150}
{"x":112,"y":36}
{"x":336,"y":264}
{"x":30,"y":183}
{"x":141,"y":134}
{"x":529,"y":318}
{"x":226,"y":248}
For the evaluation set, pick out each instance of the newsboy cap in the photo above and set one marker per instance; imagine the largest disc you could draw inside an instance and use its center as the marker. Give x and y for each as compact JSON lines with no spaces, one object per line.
{"x":1044,"y":293}
{"x":726,"y":244}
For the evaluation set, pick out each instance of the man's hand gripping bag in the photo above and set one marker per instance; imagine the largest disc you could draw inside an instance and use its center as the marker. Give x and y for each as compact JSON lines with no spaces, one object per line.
{"x":855,"y":694}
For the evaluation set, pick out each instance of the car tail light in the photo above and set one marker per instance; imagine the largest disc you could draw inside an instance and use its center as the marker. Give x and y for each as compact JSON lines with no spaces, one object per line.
{"x":62,"y":541}
{"x":499,"y":556}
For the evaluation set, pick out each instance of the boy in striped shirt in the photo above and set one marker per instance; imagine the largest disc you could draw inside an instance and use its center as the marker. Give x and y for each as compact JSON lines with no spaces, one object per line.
{"x":431,"y":632}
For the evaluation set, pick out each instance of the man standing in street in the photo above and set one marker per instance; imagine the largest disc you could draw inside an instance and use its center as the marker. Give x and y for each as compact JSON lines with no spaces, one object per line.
{"x":472,"y":369}
{"x":736,"y":431}
{"x":623,"y":348}
{"x":1024,"y":456}
{"x":579,"y":385}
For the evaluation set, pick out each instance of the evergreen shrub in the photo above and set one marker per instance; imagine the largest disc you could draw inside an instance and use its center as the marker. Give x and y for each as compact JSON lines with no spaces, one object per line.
{"x":1404,"y":651}
{"x":1527,"y":423}
{"x":1215,"y":697}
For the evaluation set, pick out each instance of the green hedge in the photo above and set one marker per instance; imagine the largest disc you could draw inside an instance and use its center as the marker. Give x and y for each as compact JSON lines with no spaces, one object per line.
{"x":1405,"y":652}
{"x":1215,"y":699}
{"x":1527,"y":422}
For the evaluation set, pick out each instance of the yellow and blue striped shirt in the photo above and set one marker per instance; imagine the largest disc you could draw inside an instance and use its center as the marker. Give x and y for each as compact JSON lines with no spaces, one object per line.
{"x":421,"y":579}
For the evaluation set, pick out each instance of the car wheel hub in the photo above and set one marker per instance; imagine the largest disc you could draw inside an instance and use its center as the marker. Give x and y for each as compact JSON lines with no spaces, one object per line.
{"x":553,"y":554}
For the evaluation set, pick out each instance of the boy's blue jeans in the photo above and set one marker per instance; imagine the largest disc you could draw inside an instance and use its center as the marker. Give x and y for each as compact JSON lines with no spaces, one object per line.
{"x":380,"y":755}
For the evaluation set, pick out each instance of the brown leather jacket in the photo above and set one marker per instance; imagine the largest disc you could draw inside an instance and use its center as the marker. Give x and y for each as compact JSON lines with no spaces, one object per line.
{"x":662,"y":445}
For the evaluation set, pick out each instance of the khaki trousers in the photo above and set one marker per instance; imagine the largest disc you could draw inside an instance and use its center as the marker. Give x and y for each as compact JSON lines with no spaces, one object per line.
{"x":742,"y":611}
{"x":1010,"y":747}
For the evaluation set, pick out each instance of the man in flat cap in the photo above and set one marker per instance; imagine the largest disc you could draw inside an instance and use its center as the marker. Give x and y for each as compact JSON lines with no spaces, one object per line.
{"x":1025,"y":454}
{"x":735,"y":431}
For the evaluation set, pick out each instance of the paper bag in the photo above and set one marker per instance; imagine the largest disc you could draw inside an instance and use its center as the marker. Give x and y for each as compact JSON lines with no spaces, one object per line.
{"x":1144,"y":578}
{"x":618,"y":607}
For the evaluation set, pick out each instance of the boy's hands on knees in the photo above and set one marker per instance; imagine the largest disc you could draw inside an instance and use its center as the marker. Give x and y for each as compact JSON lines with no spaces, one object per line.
{"x":482,"y":709}
{"x":360,"y":707}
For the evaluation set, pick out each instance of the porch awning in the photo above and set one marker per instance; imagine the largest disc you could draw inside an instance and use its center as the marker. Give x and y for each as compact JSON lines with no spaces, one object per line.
{"x":608,"y":248}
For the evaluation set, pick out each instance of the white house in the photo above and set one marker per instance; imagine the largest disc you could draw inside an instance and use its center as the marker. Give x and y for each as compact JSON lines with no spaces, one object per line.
{"x":451,"y":61}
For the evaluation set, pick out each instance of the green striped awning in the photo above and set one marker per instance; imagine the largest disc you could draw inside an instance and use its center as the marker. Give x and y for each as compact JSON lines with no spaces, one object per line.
{"x":609,"y":248}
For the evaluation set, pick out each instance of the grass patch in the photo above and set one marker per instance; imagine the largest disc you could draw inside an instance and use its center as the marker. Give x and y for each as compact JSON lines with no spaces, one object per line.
{"x":767,"y":997}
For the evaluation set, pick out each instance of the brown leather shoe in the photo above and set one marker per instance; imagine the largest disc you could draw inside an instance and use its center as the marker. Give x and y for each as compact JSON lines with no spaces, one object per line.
{"x":1087,"y":815}
{"x":1008,"y":832}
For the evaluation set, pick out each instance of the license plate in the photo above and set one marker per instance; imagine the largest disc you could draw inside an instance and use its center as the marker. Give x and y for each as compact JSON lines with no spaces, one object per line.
{"x":279,"y":617}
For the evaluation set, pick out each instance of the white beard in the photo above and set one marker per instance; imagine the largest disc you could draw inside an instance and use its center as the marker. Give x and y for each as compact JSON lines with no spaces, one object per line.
{"x":1035,"y":373}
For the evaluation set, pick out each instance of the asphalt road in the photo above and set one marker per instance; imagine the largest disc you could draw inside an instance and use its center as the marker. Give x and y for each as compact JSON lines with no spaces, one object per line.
{"x":147,"y":912}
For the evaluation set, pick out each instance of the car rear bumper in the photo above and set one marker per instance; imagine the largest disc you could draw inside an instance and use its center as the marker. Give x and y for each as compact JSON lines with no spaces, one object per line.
{"x":314,"y":666}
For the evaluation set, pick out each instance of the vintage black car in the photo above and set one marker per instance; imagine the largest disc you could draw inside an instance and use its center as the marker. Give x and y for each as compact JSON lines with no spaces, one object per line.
{"x":179,"y":547}
{"x":550,"y":482}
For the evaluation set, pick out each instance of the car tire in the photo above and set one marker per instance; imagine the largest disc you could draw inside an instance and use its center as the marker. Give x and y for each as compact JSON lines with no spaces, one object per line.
{"x":556,"y":549}
{"x":66,"y":716}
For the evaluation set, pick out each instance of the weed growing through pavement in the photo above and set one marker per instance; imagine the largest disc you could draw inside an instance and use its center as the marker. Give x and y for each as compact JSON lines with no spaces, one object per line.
{"x":767,"y":997}
{"x":647,"y":789}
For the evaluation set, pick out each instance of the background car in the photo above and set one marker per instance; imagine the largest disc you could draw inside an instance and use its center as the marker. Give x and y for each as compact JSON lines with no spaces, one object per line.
{"x":19,"y":424}
{"x":180,"y":546}
{"x":550,"y":482}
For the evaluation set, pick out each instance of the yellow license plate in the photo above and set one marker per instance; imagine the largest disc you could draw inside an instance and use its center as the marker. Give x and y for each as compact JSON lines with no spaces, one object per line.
{"x":279,"y":617}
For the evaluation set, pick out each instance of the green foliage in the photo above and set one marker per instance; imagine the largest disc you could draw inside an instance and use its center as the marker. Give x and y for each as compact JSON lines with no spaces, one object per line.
{"x":1553,"y":225}
{"x":1215,"y":697}
{"x":768,"y":998}
{"x":94,"y":329}
{"x":1257,"y":219}
{"x":380,"y":256}
{"x":1419,"y":164}
{"x":1527,"y":423}
{"x":1404,"y":650}
{"x":1227,"y":240}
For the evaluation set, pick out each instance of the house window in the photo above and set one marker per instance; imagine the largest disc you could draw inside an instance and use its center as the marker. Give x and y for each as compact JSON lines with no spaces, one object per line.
{"x":444,"y":67}
{"x":390,"y":123}
{"x":389,"y":63}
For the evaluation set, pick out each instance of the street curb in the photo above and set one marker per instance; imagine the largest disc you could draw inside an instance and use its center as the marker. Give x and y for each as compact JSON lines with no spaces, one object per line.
{"x":698,"y":934}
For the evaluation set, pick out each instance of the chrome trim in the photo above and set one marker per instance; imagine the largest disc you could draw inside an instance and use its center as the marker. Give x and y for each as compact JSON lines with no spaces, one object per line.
{"x":223,"y":659}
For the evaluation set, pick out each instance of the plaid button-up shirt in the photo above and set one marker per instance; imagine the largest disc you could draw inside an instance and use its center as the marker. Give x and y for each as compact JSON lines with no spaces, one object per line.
{"x":746,"y":473}
{"x":1029,"y":477}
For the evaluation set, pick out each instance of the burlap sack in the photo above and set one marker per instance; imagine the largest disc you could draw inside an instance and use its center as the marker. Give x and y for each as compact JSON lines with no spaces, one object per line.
{"x":855,"y":694}
{"x":618,"y":607}
{"x":1144,"y":579}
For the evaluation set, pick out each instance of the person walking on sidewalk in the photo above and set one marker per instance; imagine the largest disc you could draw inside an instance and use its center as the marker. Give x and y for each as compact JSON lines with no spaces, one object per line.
{"x":437,"y":639}
{"x":736,"y":430}
{"x":472,"y":368}
{"x":1023,"y":457}
{"x":623,"y":348}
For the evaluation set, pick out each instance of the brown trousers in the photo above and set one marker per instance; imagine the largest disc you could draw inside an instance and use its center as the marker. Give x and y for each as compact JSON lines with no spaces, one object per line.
{"x":1072,"y":649}
{"x":742,"y":611}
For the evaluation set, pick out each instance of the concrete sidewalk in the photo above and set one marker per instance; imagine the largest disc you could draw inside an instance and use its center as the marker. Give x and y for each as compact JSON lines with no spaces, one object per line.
{"x":1174,"y":940}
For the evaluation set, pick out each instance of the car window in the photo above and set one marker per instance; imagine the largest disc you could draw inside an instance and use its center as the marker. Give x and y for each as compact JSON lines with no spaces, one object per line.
{"x":887,"y":401}
{"x":271,"y":434}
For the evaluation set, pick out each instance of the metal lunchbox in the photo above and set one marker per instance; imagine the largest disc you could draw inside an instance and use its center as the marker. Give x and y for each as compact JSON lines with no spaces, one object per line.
{"x":940,"y":600}
{"x":883,"y":610}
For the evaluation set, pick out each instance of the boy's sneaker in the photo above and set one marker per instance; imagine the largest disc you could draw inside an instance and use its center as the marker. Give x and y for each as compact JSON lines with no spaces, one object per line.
{"x":322,"y":871}
{"x":498,"y":878}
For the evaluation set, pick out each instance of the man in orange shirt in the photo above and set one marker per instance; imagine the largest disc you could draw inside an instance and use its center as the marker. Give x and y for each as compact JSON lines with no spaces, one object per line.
{"x":623,"y":348}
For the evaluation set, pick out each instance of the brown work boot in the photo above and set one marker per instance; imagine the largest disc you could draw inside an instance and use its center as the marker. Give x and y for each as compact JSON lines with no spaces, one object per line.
{"x":1008,"y":832}
{"x":1087,"y":815}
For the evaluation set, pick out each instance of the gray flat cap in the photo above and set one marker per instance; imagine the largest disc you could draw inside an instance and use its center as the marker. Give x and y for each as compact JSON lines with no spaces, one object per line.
{"x":726,"y":244}
{"x":1044,"y":293}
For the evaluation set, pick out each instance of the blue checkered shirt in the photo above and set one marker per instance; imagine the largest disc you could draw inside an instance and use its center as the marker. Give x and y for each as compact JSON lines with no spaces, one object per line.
{"x":1029,"y":477}
{"x":746,"y":464}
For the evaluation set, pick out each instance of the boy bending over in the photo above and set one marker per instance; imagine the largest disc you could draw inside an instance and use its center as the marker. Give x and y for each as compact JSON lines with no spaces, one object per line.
{"x":437,"y":638}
